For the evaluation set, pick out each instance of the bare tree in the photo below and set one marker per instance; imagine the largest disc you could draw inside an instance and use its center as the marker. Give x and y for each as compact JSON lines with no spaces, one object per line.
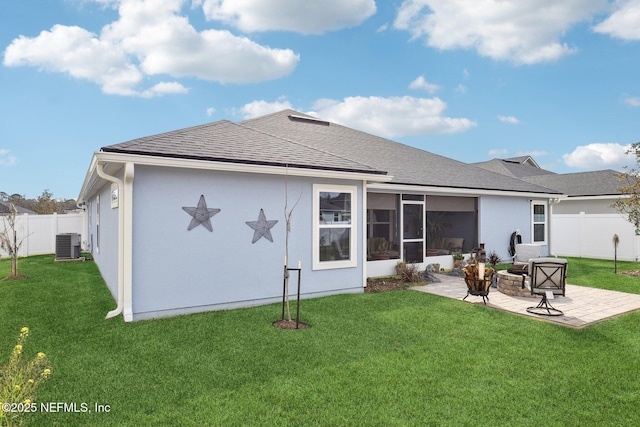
{"x":287,"y":217}
{"x":9,"y":238}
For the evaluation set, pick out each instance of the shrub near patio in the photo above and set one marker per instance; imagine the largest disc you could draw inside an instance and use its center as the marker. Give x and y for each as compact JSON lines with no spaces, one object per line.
{"x":391,"y":358}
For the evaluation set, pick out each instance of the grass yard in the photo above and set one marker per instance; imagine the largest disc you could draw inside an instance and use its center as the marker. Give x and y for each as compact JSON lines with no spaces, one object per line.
{"x":392,"y":358}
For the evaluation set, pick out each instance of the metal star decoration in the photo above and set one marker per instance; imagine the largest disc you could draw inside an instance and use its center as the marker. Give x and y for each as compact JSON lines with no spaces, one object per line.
{"x":201,"y":215}
{"x":262,"y":227}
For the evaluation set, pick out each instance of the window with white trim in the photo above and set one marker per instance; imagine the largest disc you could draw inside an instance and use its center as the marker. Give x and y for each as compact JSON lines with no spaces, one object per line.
{"x":335,"y":230}
{"x":539,"y":222}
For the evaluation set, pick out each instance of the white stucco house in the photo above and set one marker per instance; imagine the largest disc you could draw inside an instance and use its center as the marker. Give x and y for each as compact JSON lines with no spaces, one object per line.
{"x":194,"y":220}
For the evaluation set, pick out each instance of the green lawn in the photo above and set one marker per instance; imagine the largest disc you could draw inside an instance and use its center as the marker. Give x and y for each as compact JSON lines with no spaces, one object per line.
{"x":396,"y":358}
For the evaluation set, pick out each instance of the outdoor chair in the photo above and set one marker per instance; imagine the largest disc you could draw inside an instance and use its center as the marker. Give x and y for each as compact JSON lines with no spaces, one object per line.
{"x":547,"y":277}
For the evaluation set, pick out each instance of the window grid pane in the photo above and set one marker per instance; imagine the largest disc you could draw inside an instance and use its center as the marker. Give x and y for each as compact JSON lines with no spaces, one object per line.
{"x":335,"y":244}
{"x":538,"y":232}
{"x":335,"y":208}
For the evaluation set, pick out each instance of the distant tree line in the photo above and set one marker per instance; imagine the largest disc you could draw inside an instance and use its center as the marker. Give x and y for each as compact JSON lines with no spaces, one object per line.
{"x":44,"y":204}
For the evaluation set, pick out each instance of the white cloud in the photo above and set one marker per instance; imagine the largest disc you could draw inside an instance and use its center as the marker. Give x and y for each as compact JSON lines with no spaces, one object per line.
{"x":6,"y":159}
{"x":632,"y":101}
{"x":525,"y":32}
{"x":599,"y":156}
{"x":164,"y":88}
{"x":498,"y":153}
{"x":392,"y":117}
{"x":421,"y":83}
{"x":624,"y":22}
{"x":210,"y":111}
{"x":461,"y":88}
{"x":79,"y":53}
{"x":300,"y":16}
{"x":261,"y":108}
{"x":150,"y":38}
{"x":509,"y":120}
{"x":534,"y":153}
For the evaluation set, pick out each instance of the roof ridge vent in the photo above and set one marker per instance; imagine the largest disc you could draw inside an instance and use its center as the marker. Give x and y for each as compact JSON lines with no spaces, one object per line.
{"x":306,"y":119}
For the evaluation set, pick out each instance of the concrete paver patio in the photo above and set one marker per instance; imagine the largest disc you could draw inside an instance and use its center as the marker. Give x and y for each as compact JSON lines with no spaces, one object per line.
{"x":581,"y":306}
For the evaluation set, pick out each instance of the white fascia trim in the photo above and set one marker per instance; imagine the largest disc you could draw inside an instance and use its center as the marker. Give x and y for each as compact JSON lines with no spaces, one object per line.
{"x":89,"y":179}
{"x":122,"y":158}
{"x":397,"y":188}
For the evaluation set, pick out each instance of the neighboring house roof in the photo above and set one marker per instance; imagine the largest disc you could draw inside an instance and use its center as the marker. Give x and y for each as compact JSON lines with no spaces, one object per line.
{"x":225,"y":141}
{"x":5,"y":209}
{"x":525,"y":160}
{"x":595,"y":183}
{"x":407,"y":165}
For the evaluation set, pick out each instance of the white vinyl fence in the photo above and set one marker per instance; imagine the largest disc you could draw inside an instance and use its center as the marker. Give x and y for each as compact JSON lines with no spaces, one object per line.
{"x":41,"y":231}
{"x":591,"y":236}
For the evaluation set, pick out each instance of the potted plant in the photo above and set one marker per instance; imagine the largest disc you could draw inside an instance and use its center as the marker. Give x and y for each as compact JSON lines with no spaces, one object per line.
{"x":493,"y":259}
{"x":379,"y":248}
{"x":457,"y":259}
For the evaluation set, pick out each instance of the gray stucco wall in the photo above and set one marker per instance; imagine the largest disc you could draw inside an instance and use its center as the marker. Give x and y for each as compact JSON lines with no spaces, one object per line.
{"x":501,"y":216}
{"x":177,"y":271}
{"x":104,"y":248}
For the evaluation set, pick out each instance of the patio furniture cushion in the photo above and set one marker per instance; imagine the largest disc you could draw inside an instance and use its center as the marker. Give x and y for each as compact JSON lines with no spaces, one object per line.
{"x":446,"y":246}
{"x":526,"y":252}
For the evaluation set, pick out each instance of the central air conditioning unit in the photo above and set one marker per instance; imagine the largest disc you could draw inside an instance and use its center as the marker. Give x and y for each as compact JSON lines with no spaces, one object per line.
{"x":67,"y":246}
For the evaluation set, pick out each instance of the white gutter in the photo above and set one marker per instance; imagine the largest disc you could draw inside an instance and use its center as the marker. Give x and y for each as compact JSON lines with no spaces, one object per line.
{"x":422,"y":189}
{"x":124,"y":303}
{"x":606,"y":197}
{"x":552,"y":203}
{"x":363,"y":230}
{"x":140,"y":159}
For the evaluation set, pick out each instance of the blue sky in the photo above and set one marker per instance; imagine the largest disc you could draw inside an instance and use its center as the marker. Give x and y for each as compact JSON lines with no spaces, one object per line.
{"x":467,"y":79}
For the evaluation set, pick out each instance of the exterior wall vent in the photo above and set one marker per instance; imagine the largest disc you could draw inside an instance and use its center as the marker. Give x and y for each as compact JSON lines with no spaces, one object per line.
{"x":305,"y":119}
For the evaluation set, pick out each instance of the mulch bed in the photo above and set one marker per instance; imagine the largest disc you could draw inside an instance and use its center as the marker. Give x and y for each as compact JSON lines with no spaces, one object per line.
{"x":290,"y":324}
{"x":386,"y":285}
{"x":633,"y":273}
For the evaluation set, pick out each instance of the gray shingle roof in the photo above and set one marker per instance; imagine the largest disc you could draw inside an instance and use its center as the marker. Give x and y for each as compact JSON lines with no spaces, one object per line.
{"x":407,"y":165}
{"x":513,"y":167}
{"x":596,"y":183}
{"x":226,"y":141}
{"x":298,"y":140}
{"x":6,"y":209}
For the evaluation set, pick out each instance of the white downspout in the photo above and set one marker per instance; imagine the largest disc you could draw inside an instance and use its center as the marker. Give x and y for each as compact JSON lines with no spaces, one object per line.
{"x":127,"y":236}
{"x":552,"y":203}
{"x":124,"y":241}
{"x":363,"y":230}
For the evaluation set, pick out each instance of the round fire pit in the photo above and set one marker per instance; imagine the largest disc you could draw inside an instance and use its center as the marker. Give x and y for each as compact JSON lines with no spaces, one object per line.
{"x":511,"y":284}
